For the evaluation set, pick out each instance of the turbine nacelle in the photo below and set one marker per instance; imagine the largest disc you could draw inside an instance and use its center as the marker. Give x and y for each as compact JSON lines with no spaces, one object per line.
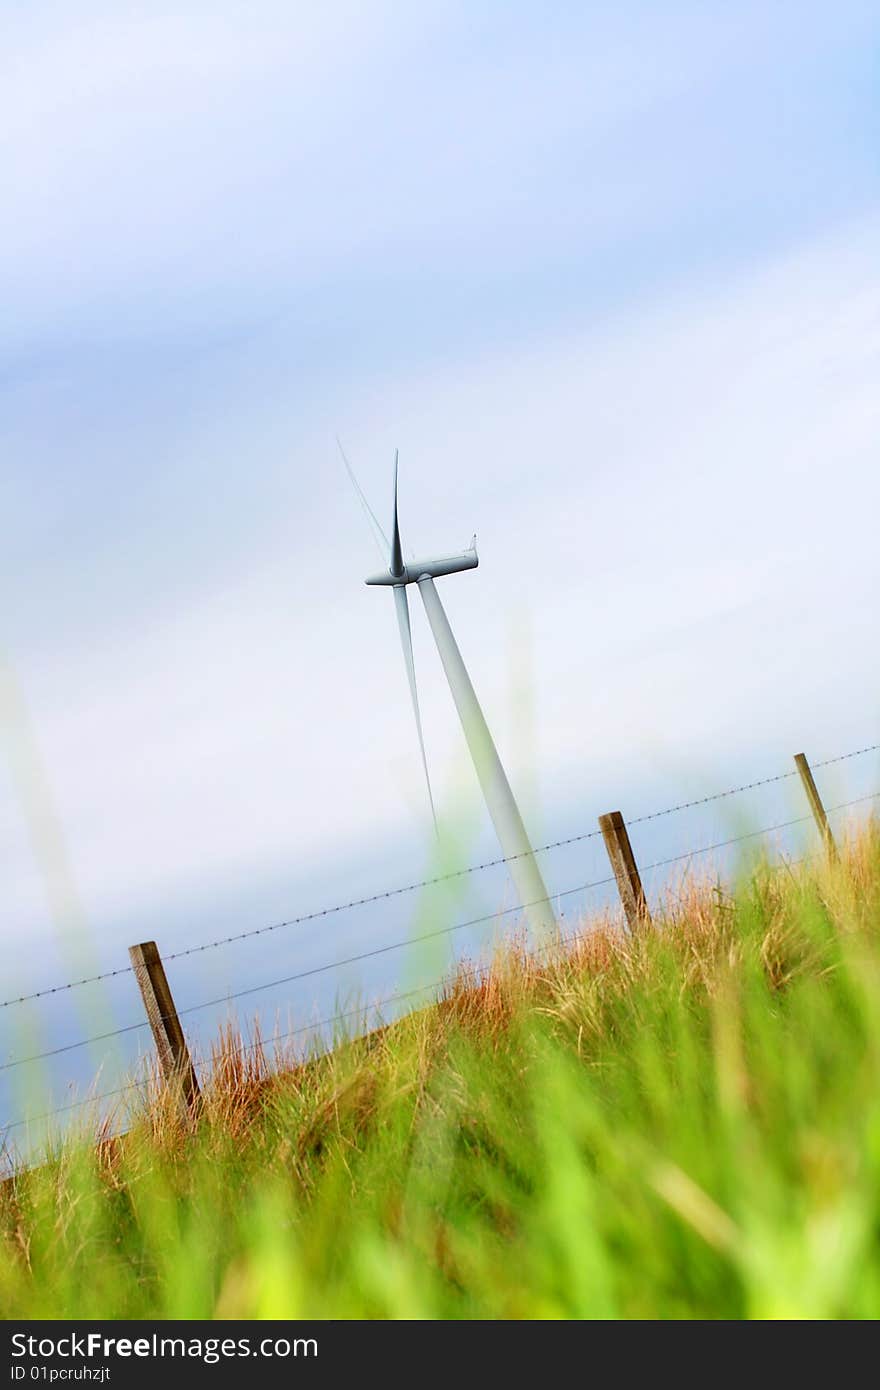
{"x":414,"y":570}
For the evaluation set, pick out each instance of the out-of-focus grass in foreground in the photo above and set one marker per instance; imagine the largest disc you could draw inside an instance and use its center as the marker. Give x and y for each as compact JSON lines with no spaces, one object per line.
{"x":685,"y":1125}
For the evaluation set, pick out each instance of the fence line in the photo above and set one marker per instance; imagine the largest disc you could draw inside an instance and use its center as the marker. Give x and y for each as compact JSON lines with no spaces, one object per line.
{"x":305,"y":974}
{"x":425,"y":936}
{"x":431,"y":882}
{"x":435,"y":985}
{"x":478,"y":974}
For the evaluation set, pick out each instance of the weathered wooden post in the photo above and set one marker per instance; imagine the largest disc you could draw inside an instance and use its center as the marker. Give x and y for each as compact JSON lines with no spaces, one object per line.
{"x":815,"y":800}
{"x":174,"y":1058}
{"x":629,"y":883}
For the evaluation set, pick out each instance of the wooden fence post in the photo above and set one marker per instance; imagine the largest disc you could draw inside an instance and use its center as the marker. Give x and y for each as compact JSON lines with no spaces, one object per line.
{"x":815,"y":800}
{"x":629,"y":884}
{"x":174,"y":1058}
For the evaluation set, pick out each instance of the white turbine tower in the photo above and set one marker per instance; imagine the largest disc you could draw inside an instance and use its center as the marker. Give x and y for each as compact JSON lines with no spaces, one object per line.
{"x":515,"y":846}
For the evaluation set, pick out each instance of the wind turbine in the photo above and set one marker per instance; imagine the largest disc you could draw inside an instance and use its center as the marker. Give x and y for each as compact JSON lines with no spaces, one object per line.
{"x":501,"y":804}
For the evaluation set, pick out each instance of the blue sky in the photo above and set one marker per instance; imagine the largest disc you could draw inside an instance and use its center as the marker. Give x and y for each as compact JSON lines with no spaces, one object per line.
{"x":606,"y":274}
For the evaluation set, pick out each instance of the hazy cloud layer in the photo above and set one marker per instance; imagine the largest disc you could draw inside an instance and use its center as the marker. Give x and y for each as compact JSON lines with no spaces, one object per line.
{"x":610,"y":284}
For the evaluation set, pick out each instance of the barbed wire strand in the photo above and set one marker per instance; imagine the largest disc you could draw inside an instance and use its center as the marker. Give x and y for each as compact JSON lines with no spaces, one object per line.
{"x":429,"y":882}
{"x":842,"y":757}
{"x":303,"y":974}
{"x":75,"y":1105}
{"x":472,"y":869}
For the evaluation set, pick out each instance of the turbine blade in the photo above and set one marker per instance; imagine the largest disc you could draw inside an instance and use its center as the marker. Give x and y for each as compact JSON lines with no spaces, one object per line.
{"x":401,"y":603}
{"x":397,"y":566}
{"x":378,"y":534}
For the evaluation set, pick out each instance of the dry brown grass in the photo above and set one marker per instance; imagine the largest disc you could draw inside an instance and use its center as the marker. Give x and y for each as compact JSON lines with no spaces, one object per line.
{"x":577,"y":982}
{"x":611,"y":1103}
{"x":582,"y":978}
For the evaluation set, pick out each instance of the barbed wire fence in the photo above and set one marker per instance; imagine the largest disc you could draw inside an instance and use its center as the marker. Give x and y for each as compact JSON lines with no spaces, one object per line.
{"x":167,"y":1014}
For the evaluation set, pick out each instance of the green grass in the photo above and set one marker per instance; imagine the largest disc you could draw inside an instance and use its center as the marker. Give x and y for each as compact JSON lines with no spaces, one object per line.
{"x":687,"y":1125}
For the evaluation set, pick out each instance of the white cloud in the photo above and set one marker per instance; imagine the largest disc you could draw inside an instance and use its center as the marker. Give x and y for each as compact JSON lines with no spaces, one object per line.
{"x":177,"y":165}
{"x":683,"y":502}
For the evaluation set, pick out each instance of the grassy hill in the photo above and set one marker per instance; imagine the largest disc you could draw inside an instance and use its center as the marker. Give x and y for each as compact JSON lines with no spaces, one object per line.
{"x":683,"y":1125}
